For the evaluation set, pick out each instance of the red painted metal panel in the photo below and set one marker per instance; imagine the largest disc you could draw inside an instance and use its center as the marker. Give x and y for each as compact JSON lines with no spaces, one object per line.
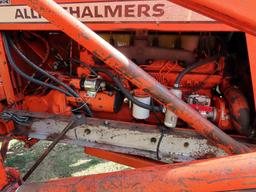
{"x":224,"y":174}
{"x":251,"y":47}
{"x":132,"y":161}
{"x":5,"y":75}
{"x":237,"y":13}
{"x":2,"y":93}
{"x":3,"y":175}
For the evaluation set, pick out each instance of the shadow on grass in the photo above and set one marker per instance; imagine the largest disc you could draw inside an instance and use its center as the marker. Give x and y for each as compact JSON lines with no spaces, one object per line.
{"x":64,"y":161}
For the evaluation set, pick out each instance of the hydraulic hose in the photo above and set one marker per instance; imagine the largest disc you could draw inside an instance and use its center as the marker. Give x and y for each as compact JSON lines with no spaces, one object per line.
{"x":85,"y":65}
{"x":24,"y":75}
{"x":192,"y":67}
{"x":125,"y":91}
{"x":40,"y":70}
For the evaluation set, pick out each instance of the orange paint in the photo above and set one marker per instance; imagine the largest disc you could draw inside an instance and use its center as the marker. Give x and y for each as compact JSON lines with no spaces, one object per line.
{"x":223,"y":174}
{"x":3,"y":176}
{"x":5,"y":75}
{"x":251,"y":46}
{"x":114,"y":59}
{"x":239,"y":14}
{"x":230,"y":173}
{"x":132,"y":161}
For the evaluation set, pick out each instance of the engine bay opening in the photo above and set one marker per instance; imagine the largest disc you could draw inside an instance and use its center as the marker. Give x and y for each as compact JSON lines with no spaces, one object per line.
{"x":208,"y":71}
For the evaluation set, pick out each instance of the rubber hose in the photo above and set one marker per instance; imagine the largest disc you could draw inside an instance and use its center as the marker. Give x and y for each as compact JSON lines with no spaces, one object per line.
{"x":24,"y":75}
{"x":85,"y":65}
{"x":40,"y":70}
{"x":192,"y":67}
{"x":18,"y":70}
{"x":125,"y":91}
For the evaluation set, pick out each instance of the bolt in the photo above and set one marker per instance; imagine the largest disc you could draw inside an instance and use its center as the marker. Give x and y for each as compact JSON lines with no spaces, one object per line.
{"x":106,"y":122}
{"x":87,"y":131}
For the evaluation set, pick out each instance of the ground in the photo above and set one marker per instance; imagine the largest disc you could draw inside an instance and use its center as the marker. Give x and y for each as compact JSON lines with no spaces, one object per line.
{"x":64,"y":161}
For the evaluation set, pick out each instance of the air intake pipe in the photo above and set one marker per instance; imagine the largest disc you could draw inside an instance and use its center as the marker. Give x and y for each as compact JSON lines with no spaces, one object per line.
{"x":238,"y":109}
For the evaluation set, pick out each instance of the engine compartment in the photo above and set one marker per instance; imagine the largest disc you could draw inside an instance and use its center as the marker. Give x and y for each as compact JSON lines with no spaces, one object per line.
{"x":201,"y":68}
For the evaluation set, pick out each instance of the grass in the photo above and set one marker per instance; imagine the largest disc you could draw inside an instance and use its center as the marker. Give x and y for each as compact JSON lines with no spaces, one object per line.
{"x":64,"y":161}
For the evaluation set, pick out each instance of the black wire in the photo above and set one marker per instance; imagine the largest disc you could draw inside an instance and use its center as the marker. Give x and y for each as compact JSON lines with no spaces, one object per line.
{"x":192,"y":67}
{"x":125,"y":91}
{"x":18,"y":70}
{"x":40,"y":70}
{"x":24,"y":75}
{"x":118,"y":83}
{"x":85,"y":65}
{"x":162,"y":130}
{"x":158,"y":145}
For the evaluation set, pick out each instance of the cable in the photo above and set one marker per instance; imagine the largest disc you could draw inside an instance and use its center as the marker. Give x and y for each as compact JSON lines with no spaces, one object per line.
{"x":125,"y":91}
{"x":192,"y":67}
{"x":40,"y":70}
{"x":116,"y":80}
{"x":69,"y":92}
{"x":85,"y":65}
{"x":162,"y":130}
{"x":24,"y":75}
{"x":158,"y":145}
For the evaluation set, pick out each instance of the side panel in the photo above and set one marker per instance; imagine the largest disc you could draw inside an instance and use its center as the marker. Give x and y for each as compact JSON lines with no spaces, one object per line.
{"x":251,"y":46}
{"x":5,"y":76}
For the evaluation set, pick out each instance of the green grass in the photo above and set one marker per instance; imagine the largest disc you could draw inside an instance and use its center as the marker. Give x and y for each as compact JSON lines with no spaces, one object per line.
{"x":64,"y":161}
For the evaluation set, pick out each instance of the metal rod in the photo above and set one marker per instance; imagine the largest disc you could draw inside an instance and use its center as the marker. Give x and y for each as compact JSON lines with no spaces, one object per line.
{"x":3,"y":174}
{"x":116,"y":60}
{"x":48,"y":150}
{"x":233,"y":173}
{"x":239,"y":14}
{"x":4,"y":147}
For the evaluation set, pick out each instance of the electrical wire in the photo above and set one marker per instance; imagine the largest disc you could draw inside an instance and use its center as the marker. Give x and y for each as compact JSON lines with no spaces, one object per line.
{"x":118,"y":83}
{"x":85,"y":65}
{"x":24,"y":75}
{"x":40,"y":70}
{"x":70,"y":91}
{"x":162,"y":130}
{"x":125,"y":91}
